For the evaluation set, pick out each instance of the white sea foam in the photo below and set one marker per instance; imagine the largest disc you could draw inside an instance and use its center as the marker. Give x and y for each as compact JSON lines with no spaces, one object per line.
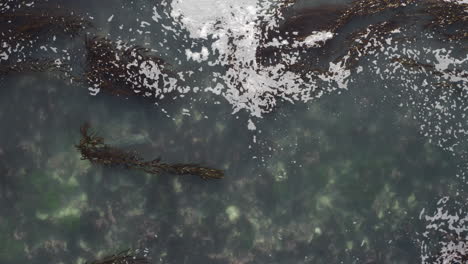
{"x":234,"y":26}
{"x":445,"y":237}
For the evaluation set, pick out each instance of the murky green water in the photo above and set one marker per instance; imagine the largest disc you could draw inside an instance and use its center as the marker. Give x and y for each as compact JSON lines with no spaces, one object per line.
{"x":341,"y":179}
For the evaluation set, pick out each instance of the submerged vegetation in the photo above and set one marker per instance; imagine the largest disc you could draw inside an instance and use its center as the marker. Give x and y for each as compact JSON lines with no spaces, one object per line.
{"x":442,"y":14}
{"x":364,"y":42}
{"x":130,"y":70}
{"x":449,"y":19}
{"x":456,"y":75}
{"x":23,"y":29}
{"x":93,"y":148}
{"x":361,"y":8}
{"x":124,"y":257}
{"x":34,"y":65}
{"x":124,"y":70}
{"x":329,"y":187}
{"x":29,"y":24}
{"x":446,"y":18}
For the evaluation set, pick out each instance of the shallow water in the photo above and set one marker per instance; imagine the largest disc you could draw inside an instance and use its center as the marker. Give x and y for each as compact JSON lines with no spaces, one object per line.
{"x":345,"y":178}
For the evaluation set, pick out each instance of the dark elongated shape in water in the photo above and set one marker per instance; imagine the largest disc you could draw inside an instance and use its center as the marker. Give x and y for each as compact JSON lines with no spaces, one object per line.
{"x":30,"y":23}
{"x":93,"y":148}
{"x":299,"y":24}
{"x":124,"y":257}
{"x":23,"y":28}
{"x":117,"y":69}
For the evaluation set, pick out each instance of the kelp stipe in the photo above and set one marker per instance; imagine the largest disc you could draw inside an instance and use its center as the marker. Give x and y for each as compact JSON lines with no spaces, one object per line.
{"x":93,"y":148}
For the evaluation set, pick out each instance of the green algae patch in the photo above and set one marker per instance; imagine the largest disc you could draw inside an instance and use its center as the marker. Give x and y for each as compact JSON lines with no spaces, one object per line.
{"x":42,"y":194}
{"x":233,"y":213}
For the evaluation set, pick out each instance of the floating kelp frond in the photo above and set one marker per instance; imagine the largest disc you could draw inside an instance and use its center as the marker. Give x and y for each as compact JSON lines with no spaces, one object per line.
{"x":30,"y":23}
{"x":35,"y":65}
{"x":448,"y":18}
{"x":22,"y":28}
{"x":451,"y":76}
{"x":124,"y":257}
{"x":443,"y":13}
{"x":367,"y":7}
{"x":447,"y":14}
{"x":333,"y":17}
{"x":365,"y":41}
{"x":320,"y":18}
{"x":359,"y":44}
{"x":93,"y":148}
{"x":33,"y":24}
{"x":430,"y":68}
{"x":192,"y":169}
{"x":313,"y":27}
{"x":123,"y":70}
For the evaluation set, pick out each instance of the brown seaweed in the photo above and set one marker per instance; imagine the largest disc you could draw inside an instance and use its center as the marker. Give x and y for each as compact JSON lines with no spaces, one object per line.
{"x":365,"y":41}
{"x":35,"y":65}
{"x":445,"y":17}
{"x":116,"y":69}
{"x":430,"y":68}
{"x":330,"y":18}
{"x":333,"y":17}
{"x":22,"y":28}
{"x":93,"y":148}
{"x":448,"y":15}
{"x":29,"y":24}
{"x":361,"y":8}
{"x":125,"y":257}
{"x":312,"y":19}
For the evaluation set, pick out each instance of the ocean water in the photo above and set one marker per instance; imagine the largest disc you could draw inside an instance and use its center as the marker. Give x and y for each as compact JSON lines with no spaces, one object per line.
{"x":365,"y":165}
